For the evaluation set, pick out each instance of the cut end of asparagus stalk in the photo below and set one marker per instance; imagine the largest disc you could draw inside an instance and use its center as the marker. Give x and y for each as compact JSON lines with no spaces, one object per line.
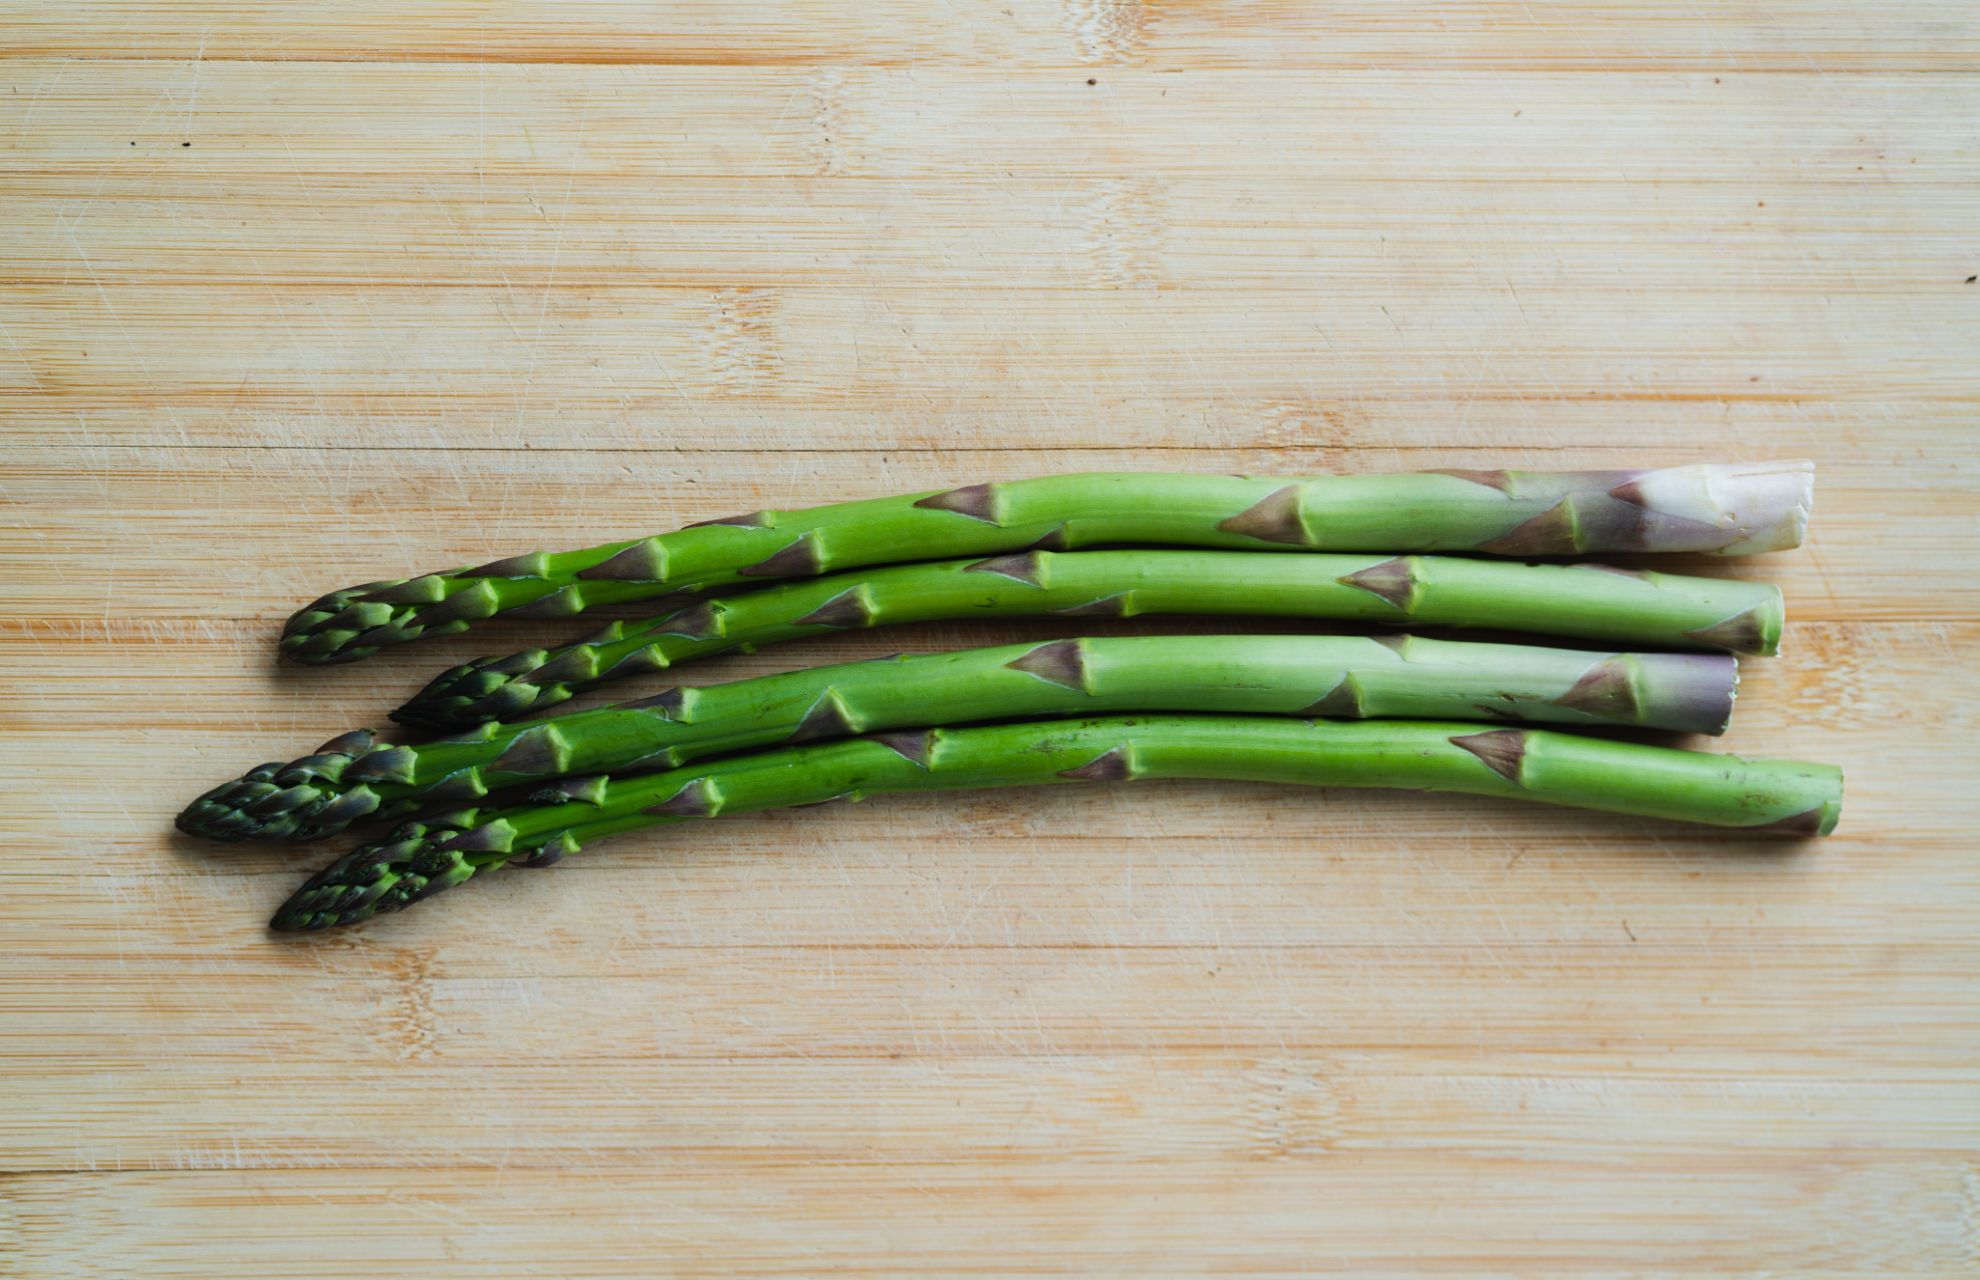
{"x":1704,"y":687}
{"x":1753,"y":630}
{"x":1775,"y":504}
{"x":1681,"y":692}
{"x":1755,"y":506}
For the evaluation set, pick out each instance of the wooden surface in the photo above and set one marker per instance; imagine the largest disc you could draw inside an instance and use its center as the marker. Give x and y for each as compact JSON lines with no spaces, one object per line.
{"x":294,"y":296}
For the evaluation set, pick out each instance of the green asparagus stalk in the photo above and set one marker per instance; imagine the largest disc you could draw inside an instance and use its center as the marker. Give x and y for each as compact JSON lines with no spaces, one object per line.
{"x":1719,"y":510}
{"x":425,"y":857}
{"x":1341,"y":676}
{"x":1593,"y":602}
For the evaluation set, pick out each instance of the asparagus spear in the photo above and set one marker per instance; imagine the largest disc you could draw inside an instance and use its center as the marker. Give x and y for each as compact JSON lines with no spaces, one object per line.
{"x":1721,"y":510}
{"x":1343,"y":676}
{"x":1590,"y":601}
{"x":425,"y":857}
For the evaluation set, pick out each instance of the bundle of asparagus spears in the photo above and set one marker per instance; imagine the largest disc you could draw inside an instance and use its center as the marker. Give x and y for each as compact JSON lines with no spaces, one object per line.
{"x":1388,"y":710}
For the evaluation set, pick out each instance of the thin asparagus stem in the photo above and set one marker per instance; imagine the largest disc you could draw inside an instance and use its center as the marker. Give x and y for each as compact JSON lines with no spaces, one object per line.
{"x":426,"y":857}
{"x":1629,"y":607}
{"x":356,"y":775}
{"x":1718,"y":510}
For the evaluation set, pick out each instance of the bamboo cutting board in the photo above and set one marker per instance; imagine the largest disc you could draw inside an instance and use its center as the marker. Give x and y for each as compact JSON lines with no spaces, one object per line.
{"x":296,"y":296}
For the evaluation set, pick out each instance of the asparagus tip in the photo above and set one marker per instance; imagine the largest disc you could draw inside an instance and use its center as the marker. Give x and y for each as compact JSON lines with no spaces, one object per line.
{"x":409,"y":866}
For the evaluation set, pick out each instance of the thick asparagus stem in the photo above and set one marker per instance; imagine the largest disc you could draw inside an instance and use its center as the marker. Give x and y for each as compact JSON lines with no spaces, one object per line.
{"x":1593,"y":602}
{"x":1719,"y":510}
{"x":1342,"y":676}
{"x":425,"y":857}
